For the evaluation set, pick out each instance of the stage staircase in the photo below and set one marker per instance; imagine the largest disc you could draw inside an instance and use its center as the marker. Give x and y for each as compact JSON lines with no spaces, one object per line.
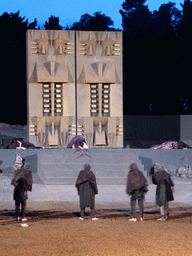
{"x":62,"y":166}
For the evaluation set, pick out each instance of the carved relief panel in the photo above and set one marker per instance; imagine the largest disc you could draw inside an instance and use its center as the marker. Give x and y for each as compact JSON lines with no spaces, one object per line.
{"x":75,"y":87}
{"x":99,"y":87}
{"x":51,"y":87}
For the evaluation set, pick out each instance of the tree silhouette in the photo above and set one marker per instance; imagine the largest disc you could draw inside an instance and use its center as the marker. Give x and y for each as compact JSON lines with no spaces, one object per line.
{"x":150,"y":58}
{"x":97,"y":22}
{"x":52,"y":24}
{"x":184,"y":38}
{"x":186,"y":21}
{"x":13,"y":29}
{"x":167,"y":18}
{"x":129,"y":6}
{"x":32,"y":25}
{"x":139,"y":31}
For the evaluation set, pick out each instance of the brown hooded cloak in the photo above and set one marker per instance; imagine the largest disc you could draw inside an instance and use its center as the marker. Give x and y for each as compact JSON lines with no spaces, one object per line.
{"x":135,"y":180}
{"x":26,"y":175}
{"x":161,"y":176}
{"x":87,"y":187}
{"x":164,"y":183}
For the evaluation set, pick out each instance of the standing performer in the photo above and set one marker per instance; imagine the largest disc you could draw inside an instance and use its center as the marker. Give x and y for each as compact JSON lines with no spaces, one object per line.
{"x":164,"y":191}
{"x":136,"y":188}
{"x":20,"y":197}
{"x":22,"y":181}
{"x":87,"y":189}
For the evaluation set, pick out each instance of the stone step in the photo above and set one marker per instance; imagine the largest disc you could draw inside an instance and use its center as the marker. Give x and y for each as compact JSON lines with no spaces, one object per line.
{"x":36,"y":179}
{"x":103,"y":159}
{"x":62,"y":167}
{"x":72,"y":181}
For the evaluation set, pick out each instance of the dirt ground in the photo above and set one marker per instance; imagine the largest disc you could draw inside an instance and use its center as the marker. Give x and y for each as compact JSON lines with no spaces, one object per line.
{"x":55,"y":229}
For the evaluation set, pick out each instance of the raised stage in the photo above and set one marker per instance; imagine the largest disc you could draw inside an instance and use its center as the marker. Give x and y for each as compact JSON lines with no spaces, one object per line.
{"x":111,"y":166}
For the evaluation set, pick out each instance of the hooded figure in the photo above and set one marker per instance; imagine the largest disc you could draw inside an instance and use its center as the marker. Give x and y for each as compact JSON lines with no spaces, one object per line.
{"x":136,"y":188}
{"x":87,"y":189}
{"x":22,"y":171}
{"x":164,"y":192}
{"x":22,"y":181}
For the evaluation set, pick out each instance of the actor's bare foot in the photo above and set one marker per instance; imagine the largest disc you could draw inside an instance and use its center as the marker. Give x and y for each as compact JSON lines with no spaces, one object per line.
{"x":161,"y":219}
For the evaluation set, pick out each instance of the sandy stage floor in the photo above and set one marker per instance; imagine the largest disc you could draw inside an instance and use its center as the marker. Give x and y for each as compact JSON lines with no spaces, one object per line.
{"x":54,"y":229}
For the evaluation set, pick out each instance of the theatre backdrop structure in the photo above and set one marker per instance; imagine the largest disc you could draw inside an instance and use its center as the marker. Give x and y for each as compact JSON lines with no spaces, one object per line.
{"x":74,"y":87}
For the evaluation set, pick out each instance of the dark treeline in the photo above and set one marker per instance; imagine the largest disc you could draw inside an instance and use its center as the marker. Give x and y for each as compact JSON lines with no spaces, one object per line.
{"x":157,"y":58}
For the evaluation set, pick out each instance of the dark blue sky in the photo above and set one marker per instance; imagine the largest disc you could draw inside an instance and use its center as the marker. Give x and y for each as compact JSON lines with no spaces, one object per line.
{"x":70,"y":11}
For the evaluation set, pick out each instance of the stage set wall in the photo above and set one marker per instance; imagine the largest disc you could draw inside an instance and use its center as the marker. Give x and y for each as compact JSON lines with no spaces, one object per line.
{"x":146,"y":131}
{"x":75,"y":87}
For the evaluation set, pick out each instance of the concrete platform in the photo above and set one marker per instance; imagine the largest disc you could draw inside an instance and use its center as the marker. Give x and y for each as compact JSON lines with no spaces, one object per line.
{"x":55,"y":172}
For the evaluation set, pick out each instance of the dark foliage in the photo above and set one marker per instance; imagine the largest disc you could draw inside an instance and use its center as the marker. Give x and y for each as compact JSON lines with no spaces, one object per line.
{"x":13,"y":69}
{"x":52,"y":24}
{"x":152,"y":62}
{"x":97,"y":22}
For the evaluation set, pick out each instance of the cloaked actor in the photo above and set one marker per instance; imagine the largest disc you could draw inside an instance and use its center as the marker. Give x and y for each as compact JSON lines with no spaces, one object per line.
{"x":87,"y":189}
{"x":164,"y":191}
{"x":22,"y":181}
{"x":136,"y":189}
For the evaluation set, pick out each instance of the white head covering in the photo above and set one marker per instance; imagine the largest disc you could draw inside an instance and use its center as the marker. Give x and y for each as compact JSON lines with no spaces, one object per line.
{"x":18,"y":163}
